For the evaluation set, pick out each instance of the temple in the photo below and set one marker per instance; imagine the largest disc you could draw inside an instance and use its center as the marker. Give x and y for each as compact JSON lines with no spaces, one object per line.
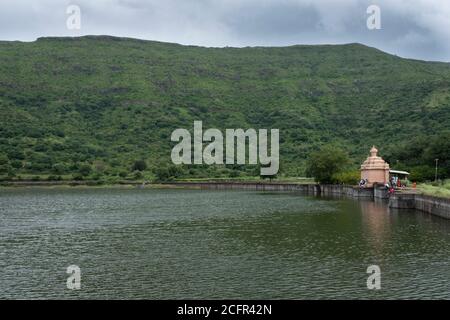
{"x":375,"y":169}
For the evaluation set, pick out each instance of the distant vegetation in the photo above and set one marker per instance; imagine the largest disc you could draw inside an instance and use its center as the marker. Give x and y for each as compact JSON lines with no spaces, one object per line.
{"x":103,"y":108}
{"x":418,"y":154}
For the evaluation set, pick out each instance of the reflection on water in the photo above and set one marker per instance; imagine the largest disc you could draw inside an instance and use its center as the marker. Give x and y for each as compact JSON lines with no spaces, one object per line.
{"x":376,"y":223}
{"x":215,"y":244}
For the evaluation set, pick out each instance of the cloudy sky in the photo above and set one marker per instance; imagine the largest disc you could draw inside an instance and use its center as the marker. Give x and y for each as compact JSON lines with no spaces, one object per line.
{"x":417,"y":29}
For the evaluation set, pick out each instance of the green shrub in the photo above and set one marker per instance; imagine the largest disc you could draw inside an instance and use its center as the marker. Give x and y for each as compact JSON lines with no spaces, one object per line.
{"x":77,"y":176}
{"x":137,"y":175}
{"x":139,"y":165}
{"x":54,"y":178}
{"x":85,"y":170}
{"x":168,"y":173}
{"x":4,"y":159}
{"x":59,"y":168}
{"x":5,"y":169}
{"x":235,"y":174}
{"x":123,"y":174}
{"x":347,"y":177}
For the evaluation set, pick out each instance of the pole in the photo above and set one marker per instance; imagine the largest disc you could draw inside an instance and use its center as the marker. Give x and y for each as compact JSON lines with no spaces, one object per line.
{"x":435,"y":174}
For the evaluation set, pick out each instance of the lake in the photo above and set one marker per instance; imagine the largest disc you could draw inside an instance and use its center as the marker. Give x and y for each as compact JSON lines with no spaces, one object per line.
{"x":195,"y":244}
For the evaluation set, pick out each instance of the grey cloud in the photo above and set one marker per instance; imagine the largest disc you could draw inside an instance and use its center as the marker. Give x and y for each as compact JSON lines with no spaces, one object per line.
{"x":272,"y":22}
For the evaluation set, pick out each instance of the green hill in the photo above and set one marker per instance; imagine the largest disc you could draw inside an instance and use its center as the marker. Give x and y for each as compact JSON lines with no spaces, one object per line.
{"x":71,"y":104}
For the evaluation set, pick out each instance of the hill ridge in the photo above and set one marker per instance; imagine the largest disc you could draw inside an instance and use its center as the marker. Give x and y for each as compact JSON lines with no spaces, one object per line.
{"x":115,"y":102}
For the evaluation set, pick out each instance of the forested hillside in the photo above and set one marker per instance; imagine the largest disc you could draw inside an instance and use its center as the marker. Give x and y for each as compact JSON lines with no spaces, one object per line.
{"x":92,"y":107}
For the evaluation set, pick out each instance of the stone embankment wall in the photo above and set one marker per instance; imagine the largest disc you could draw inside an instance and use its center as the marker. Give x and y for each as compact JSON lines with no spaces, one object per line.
{"x":312,"y":189}
{"x":433,"y":205}
{"x":400,"y":200}
{"x":255,"y":186}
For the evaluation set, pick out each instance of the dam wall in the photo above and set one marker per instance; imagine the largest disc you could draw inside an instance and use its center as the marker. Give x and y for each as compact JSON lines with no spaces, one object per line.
{"x":310,"y":189}
{"x":436,"y":206}
{"x":399,"y":200}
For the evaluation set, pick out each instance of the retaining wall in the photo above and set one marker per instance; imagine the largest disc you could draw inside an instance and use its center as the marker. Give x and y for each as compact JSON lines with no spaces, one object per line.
{"x":433,"y":205}
{"x":400,"y":200}
{"x":312,"y":189}
{"x":307,"y":188}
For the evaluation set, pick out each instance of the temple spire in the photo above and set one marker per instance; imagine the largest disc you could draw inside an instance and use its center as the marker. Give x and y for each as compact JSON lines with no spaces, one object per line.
{"x":373,"y":151}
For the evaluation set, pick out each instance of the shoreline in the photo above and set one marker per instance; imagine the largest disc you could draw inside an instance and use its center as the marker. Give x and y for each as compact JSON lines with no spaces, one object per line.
{"x":134,"y":183}
{"x":402,"y":199}
{"x":195,"y":183}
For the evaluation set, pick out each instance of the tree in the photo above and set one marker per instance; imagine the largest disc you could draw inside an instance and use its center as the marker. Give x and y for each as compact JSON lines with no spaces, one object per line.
{"x":422,"y":173}
{"x":16,"y":164}
{"x":139,"y":165}
{"x":235,"y":174}
{"x":164,"y":173}
{"x":59,"y":168}
{"x":4,"y":159}
{"x":419,"y":157}
{"x":137,"y":175}
{"x":16,"y":153}
{"x":85,"y":170}
{"x":325,"y":163}
{"x":99,"y":166}
{"x":123,"y":174}
{"x":5,"y":167}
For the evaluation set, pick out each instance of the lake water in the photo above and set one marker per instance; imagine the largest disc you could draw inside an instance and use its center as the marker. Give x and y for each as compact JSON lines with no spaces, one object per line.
{"x":163,"y":244}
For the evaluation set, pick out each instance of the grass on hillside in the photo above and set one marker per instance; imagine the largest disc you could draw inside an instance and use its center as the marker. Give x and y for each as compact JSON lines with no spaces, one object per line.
{"x":440,"y":190}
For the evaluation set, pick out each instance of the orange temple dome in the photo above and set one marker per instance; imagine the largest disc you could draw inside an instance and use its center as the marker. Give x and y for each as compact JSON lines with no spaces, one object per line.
{"x":375,"y":169}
